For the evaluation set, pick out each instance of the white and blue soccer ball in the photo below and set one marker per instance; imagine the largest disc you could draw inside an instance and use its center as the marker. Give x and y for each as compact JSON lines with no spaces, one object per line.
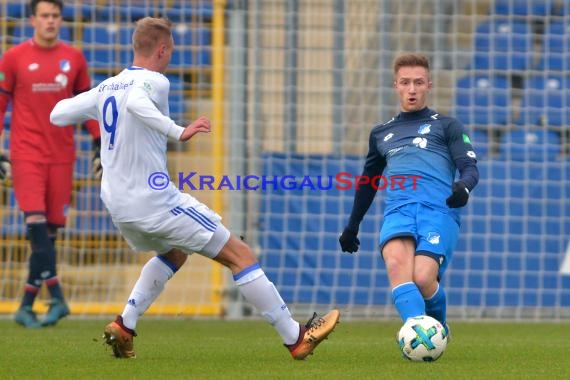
{"x":422,"y":339}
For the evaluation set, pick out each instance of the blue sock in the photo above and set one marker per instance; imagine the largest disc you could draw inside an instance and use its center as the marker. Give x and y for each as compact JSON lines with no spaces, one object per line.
{"x":408,"y":300}
{"x":436,"y":306}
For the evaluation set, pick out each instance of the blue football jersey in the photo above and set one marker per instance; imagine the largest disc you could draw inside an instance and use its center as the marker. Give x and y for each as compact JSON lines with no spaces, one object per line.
{"x":418,"y":155}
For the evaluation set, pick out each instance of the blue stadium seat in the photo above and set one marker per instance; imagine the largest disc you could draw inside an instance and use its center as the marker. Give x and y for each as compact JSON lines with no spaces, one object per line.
{"x":92,"y":218}
{"x":84,"y":153}
{"x":107,"y":45}
{"x":503,"y":44}
{"x":531,"y":144}
{"x":115,"y":11}
{"x":481,"y":143}
{"x":180,"y":11}
{"x":97,"y":78}
{"x":12,"y":222}
{"x":555,"y":54}
{"x":192,"y":47}
{"x":546,"y":100}
{"x":483,"y":100}
{"x":126,"y":54}
{"x":176,"y":97}
{"x":563,"y":8}
{"x":100,"y":44}
{"x":482,"y":190}
{"x":82,"y":166}
{"x":536,"y":8}
{"x":17,"y":9}
{"x":190,"y":10}
{"x":71,"y":11}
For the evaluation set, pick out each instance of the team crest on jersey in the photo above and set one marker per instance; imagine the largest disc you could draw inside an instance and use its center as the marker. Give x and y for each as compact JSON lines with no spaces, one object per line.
{"x":424,"y":129}
{"x":433,"y":238}
{"x":147,"y":87}
{"x":64,"y":65}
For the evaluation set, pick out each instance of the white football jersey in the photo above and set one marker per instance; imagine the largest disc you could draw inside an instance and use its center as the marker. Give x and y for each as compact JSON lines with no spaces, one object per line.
{"x":132,"y":110}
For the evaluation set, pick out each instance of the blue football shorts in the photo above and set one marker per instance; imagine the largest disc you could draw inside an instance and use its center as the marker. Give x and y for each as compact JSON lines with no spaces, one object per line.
{"x":435,"y":232}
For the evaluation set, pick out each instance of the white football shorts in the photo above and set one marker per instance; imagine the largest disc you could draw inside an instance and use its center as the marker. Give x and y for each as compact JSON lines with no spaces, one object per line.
{"x":191,"y":227}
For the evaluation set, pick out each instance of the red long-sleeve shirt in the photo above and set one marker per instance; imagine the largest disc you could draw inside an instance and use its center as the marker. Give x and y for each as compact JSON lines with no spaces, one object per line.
{"x":35,"y":78}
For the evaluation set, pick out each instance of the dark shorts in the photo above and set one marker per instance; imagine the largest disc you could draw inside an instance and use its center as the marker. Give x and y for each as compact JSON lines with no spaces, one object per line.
{"x":43,"y":189}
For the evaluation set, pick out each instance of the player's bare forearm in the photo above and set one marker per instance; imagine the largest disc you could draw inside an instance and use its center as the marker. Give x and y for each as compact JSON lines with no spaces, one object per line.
{"x":200,"y":125}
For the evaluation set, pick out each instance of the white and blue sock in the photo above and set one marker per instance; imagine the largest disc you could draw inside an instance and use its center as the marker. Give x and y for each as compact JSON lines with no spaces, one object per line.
{"x":154,"y":275}
{"x":261,"y":293}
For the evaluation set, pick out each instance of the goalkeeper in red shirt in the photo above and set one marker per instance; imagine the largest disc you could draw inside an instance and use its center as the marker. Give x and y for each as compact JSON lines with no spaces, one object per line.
{"x":34,"y":76}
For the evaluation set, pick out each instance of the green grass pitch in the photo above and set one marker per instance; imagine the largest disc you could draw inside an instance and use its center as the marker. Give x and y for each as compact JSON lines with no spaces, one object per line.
{"x":199,"y":349}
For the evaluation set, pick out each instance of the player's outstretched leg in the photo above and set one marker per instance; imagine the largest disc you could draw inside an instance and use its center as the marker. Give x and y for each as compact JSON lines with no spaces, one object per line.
{"x":256,"y":289}
{"x":314,"y":332}
{"x":120,"y":338}
{"x":154,"y":275}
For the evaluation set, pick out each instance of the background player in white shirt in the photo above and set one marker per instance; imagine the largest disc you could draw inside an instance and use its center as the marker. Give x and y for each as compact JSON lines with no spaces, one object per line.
{"x":132,"y":109}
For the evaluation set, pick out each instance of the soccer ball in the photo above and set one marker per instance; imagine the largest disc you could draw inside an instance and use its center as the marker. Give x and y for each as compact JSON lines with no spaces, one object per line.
{"x":422,"y":339}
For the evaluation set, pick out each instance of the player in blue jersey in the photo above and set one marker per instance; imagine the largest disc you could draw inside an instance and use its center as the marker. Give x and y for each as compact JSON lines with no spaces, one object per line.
{"x":421,"y":222}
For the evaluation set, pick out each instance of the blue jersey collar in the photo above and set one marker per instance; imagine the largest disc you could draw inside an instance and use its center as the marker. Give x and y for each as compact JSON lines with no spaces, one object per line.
{"x":414,"y":115}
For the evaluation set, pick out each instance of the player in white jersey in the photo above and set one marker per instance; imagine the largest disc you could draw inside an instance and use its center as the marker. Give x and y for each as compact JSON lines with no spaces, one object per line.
{"x":132,"y":109}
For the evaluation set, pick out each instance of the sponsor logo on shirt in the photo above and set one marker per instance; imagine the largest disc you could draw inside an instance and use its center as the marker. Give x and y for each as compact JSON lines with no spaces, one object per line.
{"x":420,"y":142}
{"x":33,"y":66}
{"x":61,"y":79}
{"x":114,"y":86}
{"x":393,"y":151}
{"x":47,"y":87}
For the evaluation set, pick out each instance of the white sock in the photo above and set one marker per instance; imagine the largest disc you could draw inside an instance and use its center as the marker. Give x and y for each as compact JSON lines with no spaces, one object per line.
{"x":148,"y":287}
{"x":261,"y":293}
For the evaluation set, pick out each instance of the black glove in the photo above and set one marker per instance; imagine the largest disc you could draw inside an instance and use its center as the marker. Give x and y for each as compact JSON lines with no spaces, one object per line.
{"x":96,"y":161}
{"x":349,"y":241}
{"x":5,"y":166}
{"x":459,"y":197}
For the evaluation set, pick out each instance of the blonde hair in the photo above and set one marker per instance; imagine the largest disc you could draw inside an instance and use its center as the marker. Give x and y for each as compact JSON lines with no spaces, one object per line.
{"x":149,"y":32}
{"x":410,"y":59}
